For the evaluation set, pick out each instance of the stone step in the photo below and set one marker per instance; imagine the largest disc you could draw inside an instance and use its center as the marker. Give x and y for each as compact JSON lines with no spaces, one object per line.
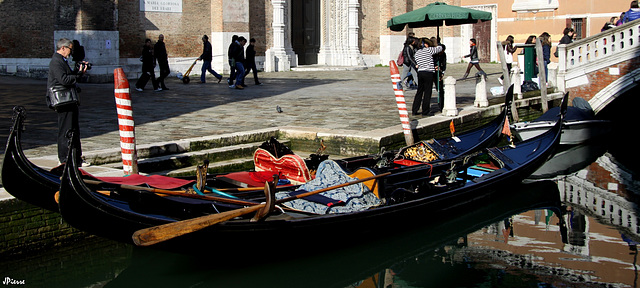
{"x":193,"y":158}
{"x":113,"y":155}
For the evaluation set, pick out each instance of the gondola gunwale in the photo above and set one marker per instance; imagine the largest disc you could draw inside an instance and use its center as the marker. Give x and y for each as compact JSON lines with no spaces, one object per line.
{"x":98,"y":215}
{"x":48,"y":182}
{"x":20,"y":177}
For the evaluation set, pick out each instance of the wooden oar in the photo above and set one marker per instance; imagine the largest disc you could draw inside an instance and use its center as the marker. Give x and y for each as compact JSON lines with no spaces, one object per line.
{"x":175,"y":193}
{"x":157,"y":234}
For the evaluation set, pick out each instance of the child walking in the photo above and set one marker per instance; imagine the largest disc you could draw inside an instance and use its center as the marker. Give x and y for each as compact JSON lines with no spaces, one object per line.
{"x":475,"y":61}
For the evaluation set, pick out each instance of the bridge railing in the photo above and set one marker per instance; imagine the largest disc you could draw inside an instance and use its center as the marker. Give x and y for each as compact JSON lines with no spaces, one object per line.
{"x":597,"y":51}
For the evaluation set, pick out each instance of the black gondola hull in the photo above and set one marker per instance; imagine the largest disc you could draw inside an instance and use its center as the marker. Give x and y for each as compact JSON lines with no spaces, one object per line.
{"x":100,"y":215}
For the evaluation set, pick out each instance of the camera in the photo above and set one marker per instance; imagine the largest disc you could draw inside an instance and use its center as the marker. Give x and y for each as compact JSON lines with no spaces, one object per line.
{"x":79,"y":65}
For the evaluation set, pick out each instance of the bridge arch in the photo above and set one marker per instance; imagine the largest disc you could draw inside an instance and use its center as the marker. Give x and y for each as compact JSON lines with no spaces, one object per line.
{"x":614,"y":90}
{"x":601,"y":67}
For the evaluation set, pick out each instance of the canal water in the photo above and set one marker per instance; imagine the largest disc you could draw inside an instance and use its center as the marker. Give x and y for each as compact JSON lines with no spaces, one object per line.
{"x":576,"y":226}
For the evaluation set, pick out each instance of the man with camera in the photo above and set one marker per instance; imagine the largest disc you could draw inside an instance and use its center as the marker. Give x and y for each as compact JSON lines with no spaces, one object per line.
{"x":62,"y":95}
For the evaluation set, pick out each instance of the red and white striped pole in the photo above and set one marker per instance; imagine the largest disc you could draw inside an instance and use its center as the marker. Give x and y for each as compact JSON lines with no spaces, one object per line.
{"x":125,"y":122}
{"x":402,"y":105}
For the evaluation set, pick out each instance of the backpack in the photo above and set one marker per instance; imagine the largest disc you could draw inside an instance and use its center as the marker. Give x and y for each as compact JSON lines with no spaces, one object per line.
{"x":400,"y":60}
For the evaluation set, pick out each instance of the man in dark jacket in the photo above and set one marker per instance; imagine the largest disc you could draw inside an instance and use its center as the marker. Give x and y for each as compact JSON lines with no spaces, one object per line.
{"x":61,"y":74}
{"x":160,"y":51}
{"x":237,"y":58}
{"x":148,"y":68}
{"x":206,"y":57}
{"x":232,"y":65}
{"x":251,"y":61}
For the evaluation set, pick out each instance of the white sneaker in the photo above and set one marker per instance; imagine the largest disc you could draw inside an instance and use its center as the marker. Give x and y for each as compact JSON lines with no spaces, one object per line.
{"x":138,"y":89}
{"x":158,"y":90}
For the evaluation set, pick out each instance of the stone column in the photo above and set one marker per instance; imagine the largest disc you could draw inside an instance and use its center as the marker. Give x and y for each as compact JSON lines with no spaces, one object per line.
{"x":277,"y":58}
{"x":354,"y":28}
{"x":340,"y":29}
{"x":481,"y":91}
{"x":516,"y":80}
{"x":450,"y":108}
{"x":562,"y":68}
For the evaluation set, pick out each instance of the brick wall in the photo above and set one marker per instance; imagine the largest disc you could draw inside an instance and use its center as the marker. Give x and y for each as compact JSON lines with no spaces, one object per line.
{"x":182,"y":31}
{"x":600,"y":79}
{"x":27,"y":30}
{"x":26,"y":228}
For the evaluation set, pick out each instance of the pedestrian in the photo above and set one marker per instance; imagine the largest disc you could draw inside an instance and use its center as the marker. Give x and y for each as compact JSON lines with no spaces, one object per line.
{"x":250,"y":62}
{"x":148,"y":67}
{"x":567,"y":38}
{"x":237,"y":55}
{"x":545,"y":39}
{"x":507,"y":44}
{"x":475,"y":60}
{"x":232,"y":65}
{"x":620,"y":19}
{"x":633,"y":13}
{"x":440,"y":62}
{"x":160,"y":51}
{"x":60,"y":79}
{"x":206,"y":57}
{"x":409,"y":64}
{"x":609,"y":24}
{"x":426,"y":73}
{"x":532,"y":40}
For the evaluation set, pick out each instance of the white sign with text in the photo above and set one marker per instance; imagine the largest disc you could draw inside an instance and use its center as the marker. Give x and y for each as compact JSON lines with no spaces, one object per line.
{"x":172,"y":6}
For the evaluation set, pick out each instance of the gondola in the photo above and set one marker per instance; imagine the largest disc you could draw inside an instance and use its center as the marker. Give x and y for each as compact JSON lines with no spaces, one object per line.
{"x":37,"y":186}
{"x":580,"y":124}
{"x":20,"y":177}
{"x":408,"y":195}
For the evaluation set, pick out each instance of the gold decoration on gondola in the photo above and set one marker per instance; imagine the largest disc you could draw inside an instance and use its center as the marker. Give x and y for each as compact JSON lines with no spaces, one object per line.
{"x":420,"y":153}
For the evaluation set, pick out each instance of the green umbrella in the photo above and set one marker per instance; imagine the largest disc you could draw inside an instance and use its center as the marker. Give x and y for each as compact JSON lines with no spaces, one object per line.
{"x":436,"y":14}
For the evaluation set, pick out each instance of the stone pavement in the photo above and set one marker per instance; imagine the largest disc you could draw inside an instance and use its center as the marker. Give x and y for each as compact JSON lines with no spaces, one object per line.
{"x":343,"y":101}
{"x":338,"y":100}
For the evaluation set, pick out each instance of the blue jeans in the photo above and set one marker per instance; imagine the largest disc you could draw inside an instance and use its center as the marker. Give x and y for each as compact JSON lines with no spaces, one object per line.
{"x":206,"y":66}
{"x":239,"y":73}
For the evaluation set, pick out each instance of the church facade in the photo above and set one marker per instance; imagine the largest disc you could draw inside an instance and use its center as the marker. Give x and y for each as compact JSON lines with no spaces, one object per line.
{"x":289,"y":33}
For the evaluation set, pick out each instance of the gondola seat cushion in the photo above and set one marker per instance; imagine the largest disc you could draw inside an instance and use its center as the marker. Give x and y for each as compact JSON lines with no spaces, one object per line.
{"x":291,"y":166}
{"x":347,"y":199}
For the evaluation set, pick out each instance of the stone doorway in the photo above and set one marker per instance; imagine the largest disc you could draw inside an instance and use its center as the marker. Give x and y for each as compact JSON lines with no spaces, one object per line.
{"x":482,"y":32}
{"x":305,"y":30}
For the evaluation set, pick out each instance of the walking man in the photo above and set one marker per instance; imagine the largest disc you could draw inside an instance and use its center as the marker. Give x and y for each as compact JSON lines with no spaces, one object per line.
{"x":160,"y":51}
{"x":251,"y":61}
{"x":237,"y":55}
{"x":207,"y":55}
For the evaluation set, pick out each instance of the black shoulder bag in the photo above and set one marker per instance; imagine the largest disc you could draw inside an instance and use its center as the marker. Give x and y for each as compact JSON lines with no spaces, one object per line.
{"x":60,"y":96}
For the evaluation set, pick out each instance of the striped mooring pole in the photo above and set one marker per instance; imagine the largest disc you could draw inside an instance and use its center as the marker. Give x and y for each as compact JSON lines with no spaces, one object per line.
{"x":402,"y":105}
{"x":125,"y":123}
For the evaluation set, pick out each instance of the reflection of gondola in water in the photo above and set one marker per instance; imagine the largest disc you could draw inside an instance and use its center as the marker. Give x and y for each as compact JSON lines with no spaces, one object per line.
{"x":297,"y":266}
{"x":569,"y":159}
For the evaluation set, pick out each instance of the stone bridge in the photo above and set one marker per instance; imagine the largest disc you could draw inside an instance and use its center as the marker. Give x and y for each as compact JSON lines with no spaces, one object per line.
{"x":602,"y":67}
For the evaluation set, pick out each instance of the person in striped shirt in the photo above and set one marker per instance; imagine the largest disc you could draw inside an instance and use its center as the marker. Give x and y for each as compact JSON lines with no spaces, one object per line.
{"x":426,"y":73}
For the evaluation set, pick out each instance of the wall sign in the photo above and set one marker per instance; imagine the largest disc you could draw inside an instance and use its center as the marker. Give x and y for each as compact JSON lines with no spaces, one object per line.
{"x":171,"y":6}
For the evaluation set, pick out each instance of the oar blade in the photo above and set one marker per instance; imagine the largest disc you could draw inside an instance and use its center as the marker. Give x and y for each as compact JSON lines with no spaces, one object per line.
{"x":161,"y":233}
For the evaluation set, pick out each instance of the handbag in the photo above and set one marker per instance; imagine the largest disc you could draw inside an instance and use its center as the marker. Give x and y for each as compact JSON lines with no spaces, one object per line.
{"x":400,"y":60}
{"x":60,"y":96}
